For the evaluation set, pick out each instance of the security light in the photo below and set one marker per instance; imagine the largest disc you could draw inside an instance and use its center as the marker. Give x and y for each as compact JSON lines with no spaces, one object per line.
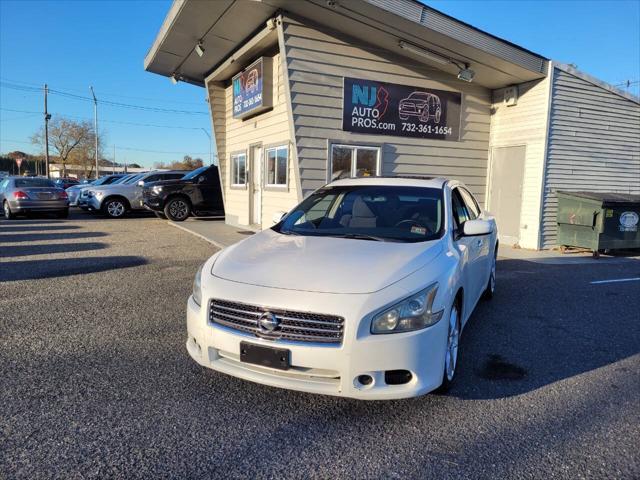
{"x":466,"y":74}
{"x":174,"y":78}
{"x":199,"y":49}
{"x":436,"y":57}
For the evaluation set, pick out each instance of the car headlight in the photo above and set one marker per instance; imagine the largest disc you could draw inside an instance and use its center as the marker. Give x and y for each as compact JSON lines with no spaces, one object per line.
{"x":90,"y":193}
{"x":157,"y":189}
{"x":197,"y":286}
{"x":412,"y":313}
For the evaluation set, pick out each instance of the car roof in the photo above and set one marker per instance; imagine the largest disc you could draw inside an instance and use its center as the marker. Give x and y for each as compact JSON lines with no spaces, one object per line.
{"x":406,"y":181}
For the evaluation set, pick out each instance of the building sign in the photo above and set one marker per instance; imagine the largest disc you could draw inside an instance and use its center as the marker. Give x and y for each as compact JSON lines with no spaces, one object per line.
{"x":380,"y":108}
{"x":629,"y":222}
{"x":253,"y":89}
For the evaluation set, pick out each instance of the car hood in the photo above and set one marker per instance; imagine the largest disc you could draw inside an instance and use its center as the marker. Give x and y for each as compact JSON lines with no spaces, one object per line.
{"x":322,"y":264}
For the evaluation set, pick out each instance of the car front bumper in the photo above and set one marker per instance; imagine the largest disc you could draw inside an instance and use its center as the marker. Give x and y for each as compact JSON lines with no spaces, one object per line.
{"x":93,"y":203}
{"x":318,"y":368}
{"x":152,"y":203}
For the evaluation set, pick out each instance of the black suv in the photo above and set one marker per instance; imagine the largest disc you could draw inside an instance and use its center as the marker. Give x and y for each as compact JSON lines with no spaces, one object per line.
{"x":197,"y":193}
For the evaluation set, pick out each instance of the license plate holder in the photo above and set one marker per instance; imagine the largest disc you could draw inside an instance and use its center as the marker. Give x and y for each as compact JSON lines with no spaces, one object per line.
{"x":265,"y":356}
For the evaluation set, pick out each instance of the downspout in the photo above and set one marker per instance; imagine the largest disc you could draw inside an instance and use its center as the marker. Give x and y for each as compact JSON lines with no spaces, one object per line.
{"x":545,"y":154}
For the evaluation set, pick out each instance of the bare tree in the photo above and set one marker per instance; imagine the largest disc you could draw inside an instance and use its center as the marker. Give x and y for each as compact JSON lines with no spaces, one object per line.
{"x":67,"y":137}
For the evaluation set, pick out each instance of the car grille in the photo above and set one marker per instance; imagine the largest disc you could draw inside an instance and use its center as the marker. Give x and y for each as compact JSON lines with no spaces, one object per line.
{"x":293,"y":326}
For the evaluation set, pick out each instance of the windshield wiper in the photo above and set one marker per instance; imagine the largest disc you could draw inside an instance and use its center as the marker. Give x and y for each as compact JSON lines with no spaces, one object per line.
{"x":362,"y":236}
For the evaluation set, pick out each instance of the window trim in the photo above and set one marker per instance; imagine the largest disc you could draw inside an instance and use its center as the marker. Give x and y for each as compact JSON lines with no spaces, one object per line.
{"x":232,"y":155}
{"x":473,"y":200}
{"x":265,"y":165}
{"x":354,"y":147}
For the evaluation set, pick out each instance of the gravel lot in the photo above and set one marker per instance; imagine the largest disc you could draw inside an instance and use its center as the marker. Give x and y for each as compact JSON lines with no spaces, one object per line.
{"x":95,"y":380}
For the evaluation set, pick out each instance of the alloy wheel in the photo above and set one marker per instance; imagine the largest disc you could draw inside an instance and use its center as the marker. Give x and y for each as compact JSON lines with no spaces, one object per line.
{"x":179,"y":209}
{"x":453,"y":337}
{"x":492,"y":278}
{"x":7,"y":211}
{"x":115,"y":209}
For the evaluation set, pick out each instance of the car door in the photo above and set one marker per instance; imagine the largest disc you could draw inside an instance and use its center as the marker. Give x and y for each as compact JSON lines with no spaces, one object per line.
{"x":210,"y":190}
{"x":482,"y":243}
{"x":467,"y":248}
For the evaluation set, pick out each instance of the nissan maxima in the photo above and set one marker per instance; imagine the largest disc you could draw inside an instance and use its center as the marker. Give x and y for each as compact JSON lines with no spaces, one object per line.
{"x":362,"y":291}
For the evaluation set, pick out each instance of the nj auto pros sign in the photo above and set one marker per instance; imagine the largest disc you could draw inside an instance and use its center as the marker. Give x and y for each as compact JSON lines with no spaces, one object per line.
{"x":381,"y":108}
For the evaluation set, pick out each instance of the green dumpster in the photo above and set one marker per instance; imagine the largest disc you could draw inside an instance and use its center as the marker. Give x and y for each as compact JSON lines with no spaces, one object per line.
{"x":598,"y":221}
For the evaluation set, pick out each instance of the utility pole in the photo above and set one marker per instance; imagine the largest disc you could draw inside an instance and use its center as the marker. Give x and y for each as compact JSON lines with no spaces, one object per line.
{"x":210,"y":154}
{"x":95,"y":127}
{"x":114,"y":159}
{"x":46,"y":132}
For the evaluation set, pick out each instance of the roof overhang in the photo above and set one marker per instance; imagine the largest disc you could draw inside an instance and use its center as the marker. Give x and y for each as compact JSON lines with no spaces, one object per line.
{"x":224,"y":26}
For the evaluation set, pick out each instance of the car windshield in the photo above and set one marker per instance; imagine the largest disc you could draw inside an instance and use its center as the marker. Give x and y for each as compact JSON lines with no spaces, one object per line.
{"x":133,"y":179}
{"x":194,"y":173}
{"x":121,"y":179}
{"x":102,"y":180}
{"x":34,"y":182}
{"x":419,"y":96}
{"x":367,"y":212}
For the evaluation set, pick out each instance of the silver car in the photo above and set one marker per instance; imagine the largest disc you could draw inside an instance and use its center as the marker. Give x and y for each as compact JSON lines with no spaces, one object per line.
{"x":22,"y":195}
{"x":75,"y":191}
{"x":117,"y":199}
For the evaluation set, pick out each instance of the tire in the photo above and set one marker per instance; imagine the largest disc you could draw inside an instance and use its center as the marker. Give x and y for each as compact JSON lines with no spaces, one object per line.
{"x":452,"y":348}
{"x":8,"y":214}
{"x":490,"y":290}
{"x":160,"y":215}
{"x":438,"y":115}
{"x":403,"y":117}
{"x":114,"y":208}
{"x":63,"y":213}
{"x":177,"y":209}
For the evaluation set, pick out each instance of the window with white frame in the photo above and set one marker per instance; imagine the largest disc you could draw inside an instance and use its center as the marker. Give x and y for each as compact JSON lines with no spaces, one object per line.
{"x":354,"y":161}
{"x":239,"y":169}
{"x":277,"y":163}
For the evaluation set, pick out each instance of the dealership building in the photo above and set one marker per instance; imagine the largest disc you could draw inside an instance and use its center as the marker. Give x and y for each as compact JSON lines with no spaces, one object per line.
{"x":305,"y":91}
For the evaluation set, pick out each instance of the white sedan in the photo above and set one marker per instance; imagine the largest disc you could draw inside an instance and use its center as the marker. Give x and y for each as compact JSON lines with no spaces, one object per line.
{"x":360,"y":291}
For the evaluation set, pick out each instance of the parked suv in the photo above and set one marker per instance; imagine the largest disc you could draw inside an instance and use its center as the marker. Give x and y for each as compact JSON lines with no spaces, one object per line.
{"x":197,"y":193}
{"x":75,"y":191}
{"x":117,"y":199}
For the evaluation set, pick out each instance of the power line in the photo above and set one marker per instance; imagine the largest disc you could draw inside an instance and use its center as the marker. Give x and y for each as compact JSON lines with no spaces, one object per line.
{"x":102,"y":94}
{"x":106,"y":121}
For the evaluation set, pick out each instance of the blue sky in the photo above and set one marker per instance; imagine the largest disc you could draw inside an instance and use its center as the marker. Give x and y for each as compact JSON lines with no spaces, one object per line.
{"x":72,"y":44}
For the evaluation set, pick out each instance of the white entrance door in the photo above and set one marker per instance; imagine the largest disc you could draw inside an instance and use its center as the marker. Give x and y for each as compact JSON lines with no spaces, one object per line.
{"x":505,"y":197}
{"x":256,"y":185}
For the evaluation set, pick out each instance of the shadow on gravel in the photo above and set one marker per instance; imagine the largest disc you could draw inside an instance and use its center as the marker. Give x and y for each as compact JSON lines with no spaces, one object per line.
{"x":39,"y":269}
{"x":25,"y":250}
{"x":545,"y":324}
{"x":35,"y":228}
{"x":33,"y":237}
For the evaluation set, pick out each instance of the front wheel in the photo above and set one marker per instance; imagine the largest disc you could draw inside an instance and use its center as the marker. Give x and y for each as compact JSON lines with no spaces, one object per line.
{"x":491,"y":284}
{"x":451,"y":353}
{"x":177,"y":209}
{"x":114,"y":208}
{"x":8,"y":214}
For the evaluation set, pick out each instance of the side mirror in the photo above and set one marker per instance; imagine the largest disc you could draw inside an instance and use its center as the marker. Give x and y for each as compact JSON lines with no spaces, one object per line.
{"x":475,"y":228}
{"x":141,"y":183}
{"x":201,"y":179}
{"x":277,"y":216}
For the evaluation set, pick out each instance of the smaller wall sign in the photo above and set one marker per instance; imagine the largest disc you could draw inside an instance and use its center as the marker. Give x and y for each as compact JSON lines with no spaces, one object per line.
{"x":380,"y":108}
{"x":253,"y":89}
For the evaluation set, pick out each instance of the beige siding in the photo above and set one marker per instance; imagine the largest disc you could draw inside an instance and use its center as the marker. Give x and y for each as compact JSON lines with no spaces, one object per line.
{"x":594,"y":144}
{"x":232,"y":135}
{"x":525,"y":124}
{"x":317,"y":61}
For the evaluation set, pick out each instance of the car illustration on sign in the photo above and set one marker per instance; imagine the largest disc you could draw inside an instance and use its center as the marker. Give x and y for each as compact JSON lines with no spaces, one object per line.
{"x":426,"y":106}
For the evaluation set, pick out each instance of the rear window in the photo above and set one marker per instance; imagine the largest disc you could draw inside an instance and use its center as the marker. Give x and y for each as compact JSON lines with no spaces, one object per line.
{"x":34,"y":182}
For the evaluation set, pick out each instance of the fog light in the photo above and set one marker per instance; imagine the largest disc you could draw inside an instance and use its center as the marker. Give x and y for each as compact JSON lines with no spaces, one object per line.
{"x":365,"y":380}
{"x":397,"y":377}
